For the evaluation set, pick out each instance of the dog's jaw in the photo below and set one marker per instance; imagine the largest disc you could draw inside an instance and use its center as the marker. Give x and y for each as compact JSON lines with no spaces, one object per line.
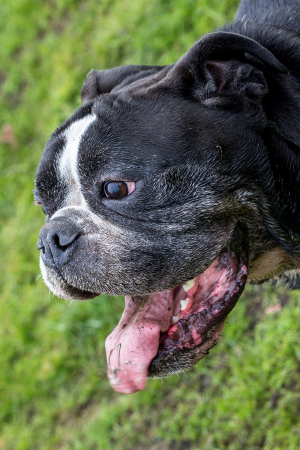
{"x":61,"y":288}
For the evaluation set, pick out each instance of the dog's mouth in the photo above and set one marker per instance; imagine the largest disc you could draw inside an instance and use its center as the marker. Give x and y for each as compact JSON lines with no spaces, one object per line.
{"x":170,"y":331}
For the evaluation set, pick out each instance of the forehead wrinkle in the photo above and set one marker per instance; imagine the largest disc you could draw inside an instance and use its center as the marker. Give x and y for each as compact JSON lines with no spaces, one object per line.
{"x":67,"y":166}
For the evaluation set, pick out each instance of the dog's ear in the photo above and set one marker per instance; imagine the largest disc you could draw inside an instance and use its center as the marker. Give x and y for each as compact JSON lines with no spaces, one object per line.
{"x":224,"y":64}
{"x":226,"y":78}
{"x":104,"y":81}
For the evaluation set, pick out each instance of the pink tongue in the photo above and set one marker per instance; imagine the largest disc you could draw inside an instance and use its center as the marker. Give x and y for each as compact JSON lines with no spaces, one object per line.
{"x":133,"y":344}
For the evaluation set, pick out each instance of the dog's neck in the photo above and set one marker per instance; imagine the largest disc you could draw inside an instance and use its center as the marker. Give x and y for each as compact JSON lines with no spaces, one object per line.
{"x":282,"y":109}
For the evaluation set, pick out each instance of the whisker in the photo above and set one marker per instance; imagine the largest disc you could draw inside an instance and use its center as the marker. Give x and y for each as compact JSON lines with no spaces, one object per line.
{"x":68,"y":302}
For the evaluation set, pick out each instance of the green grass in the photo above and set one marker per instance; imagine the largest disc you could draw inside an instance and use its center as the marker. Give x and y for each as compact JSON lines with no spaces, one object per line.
{"x":53,"y":388}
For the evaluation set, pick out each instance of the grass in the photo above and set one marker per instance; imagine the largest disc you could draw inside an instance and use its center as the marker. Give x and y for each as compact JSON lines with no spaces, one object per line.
{"x":53,"y":388}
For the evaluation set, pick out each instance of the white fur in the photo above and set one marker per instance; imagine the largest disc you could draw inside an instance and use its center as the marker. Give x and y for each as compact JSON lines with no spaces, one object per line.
{"x":68,"y":171}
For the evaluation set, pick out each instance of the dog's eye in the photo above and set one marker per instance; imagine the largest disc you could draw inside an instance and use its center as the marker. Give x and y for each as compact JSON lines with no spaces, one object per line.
{"x":118,"y":189}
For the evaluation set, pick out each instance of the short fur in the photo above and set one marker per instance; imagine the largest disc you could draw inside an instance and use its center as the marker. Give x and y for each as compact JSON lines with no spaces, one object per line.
{"x":211,"y":141}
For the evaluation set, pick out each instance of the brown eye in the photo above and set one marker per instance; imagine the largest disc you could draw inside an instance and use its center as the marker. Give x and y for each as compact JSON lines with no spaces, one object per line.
{"x":118,"y":189}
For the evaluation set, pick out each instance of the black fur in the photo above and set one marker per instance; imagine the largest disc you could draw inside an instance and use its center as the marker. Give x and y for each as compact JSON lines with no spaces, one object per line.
{"x":211,"y":141}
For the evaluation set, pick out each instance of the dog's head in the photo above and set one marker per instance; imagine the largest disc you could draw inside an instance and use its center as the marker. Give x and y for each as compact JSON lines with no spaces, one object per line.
{"x":161,"y":188}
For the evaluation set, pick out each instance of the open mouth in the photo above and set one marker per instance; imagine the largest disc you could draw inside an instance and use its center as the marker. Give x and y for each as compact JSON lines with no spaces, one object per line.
{"x":172,"y":330}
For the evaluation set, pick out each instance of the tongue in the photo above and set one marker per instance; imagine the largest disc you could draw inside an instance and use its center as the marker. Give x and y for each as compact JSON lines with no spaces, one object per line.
{"x":133,"y":344}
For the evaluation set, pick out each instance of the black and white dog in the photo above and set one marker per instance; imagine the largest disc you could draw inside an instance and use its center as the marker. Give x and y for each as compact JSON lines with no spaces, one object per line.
{"x":171,"y":185}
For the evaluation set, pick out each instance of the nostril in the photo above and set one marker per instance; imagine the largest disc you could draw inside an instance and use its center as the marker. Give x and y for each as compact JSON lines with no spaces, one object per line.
{"x":61,"y":244}
{"x":63,"y":241}
{"x":56,"y":241}
{"x":56,"y":247}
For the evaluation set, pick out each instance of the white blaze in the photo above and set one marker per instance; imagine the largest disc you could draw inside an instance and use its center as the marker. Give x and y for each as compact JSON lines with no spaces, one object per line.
{"x":68,"y":164}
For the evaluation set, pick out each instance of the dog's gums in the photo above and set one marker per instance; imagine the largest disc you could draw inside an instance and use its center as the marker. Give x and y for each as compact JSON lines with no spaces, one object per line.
{"x":162,"y":326}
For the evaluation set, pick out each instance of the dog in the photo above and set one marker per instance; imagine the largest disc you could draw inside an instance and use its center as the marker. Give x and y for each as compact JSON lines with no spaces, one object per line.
{"x":174,"y":185}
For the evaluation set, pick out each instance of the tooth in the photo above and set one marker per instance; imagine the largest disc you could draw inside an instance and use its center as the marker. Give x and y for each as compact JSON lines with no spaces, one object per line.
{"x":189,"y":284}
{"x":175,"y":319}
{"x":184,"y":304}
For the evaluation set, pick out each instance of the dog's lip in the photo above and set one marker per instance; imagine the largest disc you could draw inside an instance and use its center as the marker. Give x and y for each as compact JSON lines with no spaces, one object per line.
{"x":81,"y":294}
{"x":70,"y":292}
{"x":146,"y":338}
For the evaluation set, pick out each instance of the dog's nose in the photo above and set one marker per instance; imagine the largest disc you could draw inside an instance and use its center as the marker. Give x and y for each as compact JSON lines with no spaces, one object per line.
{"x":57,"y":241}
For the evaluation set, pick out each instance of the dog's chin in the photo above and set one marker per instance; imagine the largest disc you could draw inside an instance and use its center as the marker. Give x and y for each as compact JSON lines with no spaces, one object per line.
{"x":61,"y":288}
